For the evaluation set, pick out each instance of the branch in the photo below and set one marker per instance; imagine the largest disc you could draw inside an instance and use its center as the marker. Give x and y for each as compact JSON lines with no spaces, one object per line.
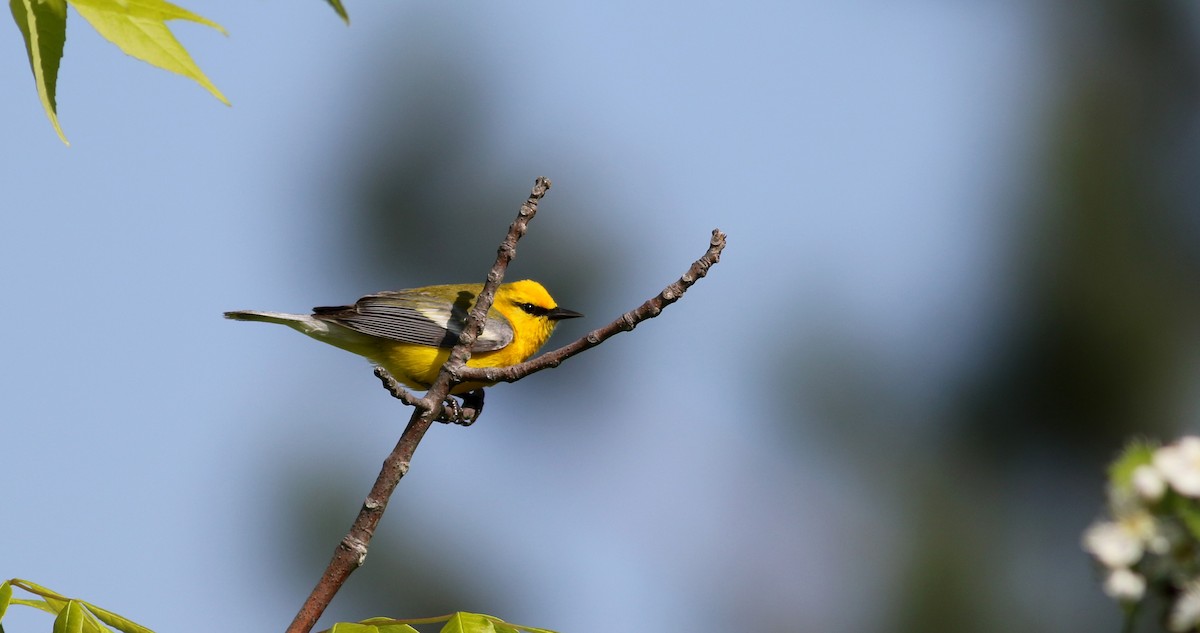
{"x":352,"y":551}
{"x":624,"y":323}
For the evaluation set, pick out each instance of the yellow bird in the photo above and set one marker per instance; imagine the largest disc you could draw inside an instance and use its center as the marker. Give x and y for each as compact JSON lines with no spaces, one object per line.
{"x":410,"y":332}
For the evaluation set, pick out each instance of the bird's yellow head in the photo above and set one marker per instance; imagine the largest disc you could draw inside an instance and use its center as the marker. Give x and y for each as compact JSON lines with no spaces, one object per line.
{"x":531,"y":311}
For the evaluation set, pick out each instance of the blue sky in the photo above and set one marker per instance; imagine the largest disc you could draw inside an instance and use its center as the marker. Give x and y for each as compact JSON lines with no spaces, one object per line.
{"x":862,"y":156}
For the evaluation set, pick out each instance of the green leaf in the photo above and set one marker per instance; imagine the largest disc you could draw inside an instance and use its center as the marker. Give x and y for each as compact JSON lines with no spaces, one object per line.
{"x":389,"y":625}
{"x":5,"y":597}
{"x":91,"y":624}
{"x":353,"y":627}
{"x":116,"y":621}
{"x":36,"y":604}
{"x":56,"y":603}
{"x":139,"y":27}
{"x":70,"y":619}
{"x":396,"y":627}
{"x":1139,"y":452}
{"x":43,"y":23}
{"x":463,"y":622}
{"x":33,"y":587}
{"x":54,"y":600}
{"x":532,"y":629}
{"x":337,"y":6}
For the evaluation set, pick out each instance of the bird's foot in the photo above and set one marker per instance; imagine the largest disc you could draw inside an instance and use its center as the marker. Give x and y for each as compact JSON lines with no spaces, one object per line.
{"x":463,"y":414}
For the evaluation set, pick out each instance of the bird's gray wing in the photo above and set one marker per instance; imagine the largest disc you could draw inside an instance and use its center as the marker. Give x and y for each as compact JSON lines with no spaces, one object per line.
{"x":420,"y":317}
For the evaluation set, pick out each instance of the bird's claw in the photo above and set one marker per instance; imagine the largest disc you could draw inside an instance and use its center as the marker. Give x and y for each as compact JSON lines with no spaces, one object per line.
{"x":463,"y":414}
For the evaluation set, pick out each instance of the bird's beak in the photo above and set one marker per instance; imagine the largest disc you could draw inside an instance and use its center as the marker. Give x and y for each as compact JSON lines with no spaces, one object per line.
{"x":558,"y":314}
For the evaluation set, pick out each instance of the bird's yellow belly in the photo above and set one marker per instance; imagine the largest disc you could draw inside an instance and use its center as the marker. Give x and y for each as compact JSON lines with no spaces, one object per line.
{"x":418,"y":365}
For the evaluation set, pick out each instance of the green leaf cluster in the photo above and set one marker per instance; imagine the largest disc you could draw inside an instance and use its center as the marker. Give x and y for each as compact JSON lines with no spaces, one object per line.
{"x":460,"y":622}
{"x":137,"y":27}
{"x":71,"y":614}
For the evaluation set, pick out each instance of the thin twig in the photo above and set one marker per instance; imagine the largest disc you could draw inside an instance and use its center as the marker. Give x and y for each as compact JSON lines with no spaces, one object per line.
{"x":624,"y":323}
{"x":396,"y":389}
{"x":352,"y":551}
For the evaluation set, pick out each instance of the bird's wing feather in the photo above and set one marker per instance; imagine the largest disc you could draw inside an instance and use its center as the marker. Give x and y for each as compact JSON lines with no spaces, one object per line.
{"x":413,"y":316}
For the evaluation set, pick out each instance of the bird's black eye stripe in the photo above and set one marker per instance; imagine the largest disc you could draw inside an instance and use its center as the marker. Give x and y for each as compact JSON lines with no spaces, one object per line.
{"x":532,"y":309}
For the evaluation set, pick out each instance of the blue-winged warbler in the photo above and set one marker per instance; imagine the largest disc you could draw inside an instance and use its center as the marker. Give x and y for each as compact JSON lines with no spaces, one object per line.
{"x":410,"y":332}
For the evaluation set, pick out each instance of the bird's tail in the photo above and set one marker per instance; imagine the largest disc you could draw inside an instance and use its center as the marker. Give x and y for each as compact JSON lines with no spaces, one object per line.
{"x":323,"y":331}
{"x":301,"y":323}
{"x":281,"y":318}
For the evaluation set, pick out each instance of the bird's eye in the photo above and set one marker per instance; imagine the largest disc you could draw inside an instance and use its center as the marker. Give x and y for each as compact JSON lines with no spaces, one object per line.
{"x":529,"y":308}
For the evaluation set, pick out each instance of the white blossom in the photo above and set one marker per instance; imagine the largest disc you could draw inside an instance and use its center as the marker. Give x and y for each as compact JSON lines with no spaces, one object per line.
{"x":1125,"y":585}
{"x":1114,"y":544}
{"x":1185,"y":614}
{"x":1149,"y":483}
{"x":1179,"y":464}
